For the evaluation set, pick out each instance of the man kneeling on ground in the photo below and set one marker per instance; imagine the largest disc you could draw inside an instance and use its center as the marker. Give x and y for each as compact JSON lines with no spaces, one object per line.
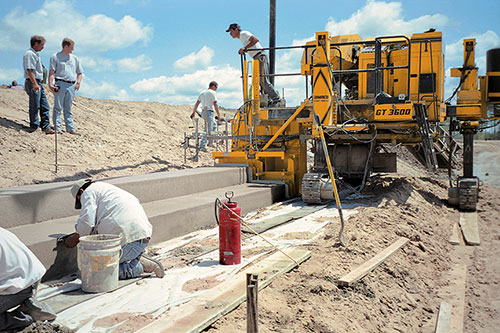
{"x":107,"y":209}
{"x":20,"y":273}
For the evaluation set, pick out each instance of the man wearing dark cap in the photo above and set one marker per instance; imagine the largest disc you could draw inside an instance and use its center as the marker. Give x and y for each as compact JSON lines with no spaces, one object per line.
{"x":107,"y":209}
{"x":250,"y":43}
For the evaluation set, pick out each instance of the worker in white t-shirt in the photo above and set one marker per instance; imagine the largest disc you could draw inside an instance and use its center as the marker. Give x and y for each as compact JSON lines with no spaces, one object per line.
{"x":107,"y":209}
{"x":208,"y":101}
{"x":20,"y":272}
{"x":250,"y":43}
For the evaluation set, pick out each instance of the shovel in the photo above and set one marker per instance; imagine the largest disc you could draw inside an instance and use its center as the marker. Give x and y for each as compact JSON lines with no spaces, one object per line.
{"x":342,"y":239}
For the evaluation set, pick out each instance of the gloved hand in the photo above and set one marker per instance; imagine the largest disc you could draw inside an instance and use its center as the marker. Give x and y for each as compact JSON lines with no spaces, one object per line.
{"x":71,"y":240}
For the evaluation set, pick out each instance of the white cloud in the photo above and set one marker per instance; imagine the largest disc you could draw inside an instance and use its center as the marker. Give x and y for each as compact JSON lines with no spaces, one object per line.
{"x":138,"y":64}
{"x":95,"y":89}
{"x":56,"y":18}
{"x":384,"y":18}
{"x":484,"y":42}
{"x":122,"y":95}
{"x":195,"y":61}
{"x":97,"y":64}
{"x":184,"y":89}
{"x":7,"y":75}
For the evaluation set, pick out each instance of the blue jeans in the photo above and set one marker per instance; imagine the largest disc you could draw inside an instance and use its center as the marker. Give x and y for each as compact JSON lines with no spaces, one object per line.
{"x":38,"y":101}
{"x":265,"y":83}
{"x":63,"y":100}
{"x":130,"y":266}
{"x":210,"y":126}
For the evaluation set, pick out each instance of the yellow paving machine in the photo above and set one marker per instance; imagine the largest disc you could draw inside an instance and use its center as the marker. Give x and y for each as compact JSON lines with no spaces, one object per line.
{"x":365,"y":96}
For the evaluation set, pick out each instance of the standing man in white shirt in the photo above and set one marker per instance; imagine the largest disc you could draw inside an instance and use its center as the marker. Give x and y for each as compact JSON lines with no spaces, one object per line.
{"x":250,"y":43}
{"x":20,"y":272}
{"x":33,"y":73}
{"x":65,"y":77}
{"x":208,"y":100}
{"x":107,"y":209}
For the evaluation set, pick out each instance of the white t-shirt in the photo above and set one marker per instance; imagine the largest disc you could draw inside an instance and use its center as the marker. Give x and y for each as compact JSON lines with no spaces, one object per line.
{"x":245,"y":39}
{"x":19,"y":267}
{"x":207,"y":99}
{"x":115,"y":211}
{"x":65,"y":66}
{"x":31,"y":60}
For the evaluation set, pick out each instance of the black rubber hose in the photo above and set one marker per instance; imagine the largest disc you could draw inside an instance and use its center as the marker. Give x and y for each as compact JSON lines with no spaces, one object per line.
{"x":217,"y":205}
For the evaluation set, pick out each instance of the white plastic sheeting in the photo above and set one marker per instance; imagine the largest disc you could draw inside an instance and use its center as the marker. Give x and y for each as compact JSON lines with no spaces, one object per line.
{"x":154,"y":296}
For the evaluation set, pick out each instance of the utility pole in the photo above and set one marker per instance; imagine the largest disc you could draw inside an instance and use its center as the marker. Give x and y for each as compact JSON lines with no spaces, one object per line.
{"x":272,"y":37}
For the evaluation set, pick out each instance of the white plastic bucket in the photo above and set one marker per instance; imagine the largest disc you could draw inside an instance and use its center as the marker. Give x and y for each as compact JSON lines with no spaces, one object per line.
{"x":98,"y":259}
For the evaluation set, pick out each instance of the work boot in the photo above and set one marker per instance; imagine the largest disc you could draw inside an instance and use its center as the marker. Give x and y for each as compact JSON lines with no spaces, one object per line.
{"x":149,"y":265}
{"x":48,"y":131}
{"x":38,"y":310}
{"x":15,"y":320}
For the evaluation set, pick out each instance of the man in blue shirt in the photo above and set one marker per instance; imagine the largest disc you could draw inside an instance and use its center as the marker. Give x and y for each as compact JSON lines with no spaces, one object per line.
{"x":65,"y":76}
{"x":33,"y":73}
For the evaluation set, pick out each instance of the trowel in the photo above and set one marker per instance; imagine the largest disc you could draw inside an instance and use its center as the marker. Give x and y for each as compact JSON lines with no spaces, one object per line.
{"x":65,"y":262}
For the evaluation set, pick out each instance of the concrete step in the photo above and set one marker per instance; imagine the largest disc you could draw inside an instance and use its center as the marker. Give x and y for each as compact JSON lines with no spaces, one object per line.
{"x":170,"y":217}
{"x":42,"y":202}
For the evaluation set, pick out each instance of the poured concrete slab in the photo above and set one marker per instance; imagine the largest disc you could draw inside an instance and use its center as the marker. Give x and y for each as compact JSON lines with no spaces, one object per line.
{"x":42,"y":202}
{"x":170,"y":217}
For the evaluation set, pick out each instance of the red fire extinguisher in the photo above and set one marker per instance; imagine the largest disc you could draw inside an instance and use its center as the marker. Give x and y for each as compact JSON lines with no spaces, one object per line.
{"x":229,"y":230}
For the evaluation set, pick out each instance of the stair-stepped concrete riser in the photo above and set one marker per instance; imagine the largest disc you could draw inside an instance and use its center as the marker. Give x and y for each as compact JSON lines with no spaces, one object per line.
{"x":198,"y":211}
{"x":43,"y":202}
{"x":170,"y":217}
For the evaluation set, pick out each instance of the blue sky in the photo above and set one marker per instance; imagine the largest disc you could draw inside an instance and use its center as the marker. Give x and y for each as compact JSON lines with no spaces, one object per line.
{"x":168,"y":51}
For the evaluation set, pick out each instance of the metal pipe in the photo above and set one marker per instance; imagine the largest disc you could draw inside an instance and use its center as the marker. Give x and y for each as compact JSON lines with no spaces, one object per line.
{"x":378,"y":64}
{"x":468,"y":153}
{"x":197,"y":137}
{"x":55,"y":142}
{"x":226,"y":133}
{"x":272,"y":37}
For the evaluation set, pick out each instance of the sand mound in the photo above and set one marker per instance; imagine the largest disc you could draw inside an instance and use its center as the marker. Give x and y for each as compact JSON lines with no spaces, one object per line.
{"x":117,"y":139}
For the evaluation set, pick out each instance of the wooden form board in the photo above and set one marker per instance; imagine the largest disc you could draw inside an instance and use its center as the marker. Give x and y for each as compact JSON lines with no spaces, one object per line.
{"x":454,"y":238}
{"x":457,"y":297}
{"x":281,"y":219}
{"x":468,"y":223}
{"x":202,"y":311}
{"x":373,"y":263}
{"x":443,"y":320}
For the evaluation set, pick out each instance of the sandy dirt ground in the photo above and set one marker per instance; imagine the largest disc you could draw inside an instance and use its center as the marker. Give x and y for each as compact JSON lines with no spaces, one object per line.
{"x":117,"y":139}
{"x":401,"y":295}
{"x":404,"y":293}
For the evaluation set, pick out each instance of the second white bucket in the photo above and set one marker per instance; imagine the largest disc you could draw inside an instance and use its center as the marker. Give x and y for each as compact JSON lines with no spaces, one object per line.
{"x":98,"y":259}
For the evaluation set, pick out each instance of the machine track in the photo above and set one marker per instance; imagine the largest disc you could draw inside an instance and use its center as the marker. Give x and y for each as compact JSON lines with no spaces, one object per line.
{"x":467,"y":198}
{"x":311,"y":187}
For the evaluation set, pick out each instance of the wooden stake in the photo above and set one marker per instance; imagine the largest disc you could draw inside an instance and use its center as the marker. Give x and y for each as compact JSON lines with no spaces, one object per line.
{"x":252,"y":298}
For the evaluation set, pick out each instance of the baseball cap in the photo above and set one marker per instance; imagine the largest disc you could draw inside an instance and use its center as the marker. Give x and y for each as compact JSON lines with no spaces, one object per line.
{"x":233,"y":26}
{"x":76,"y":187}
